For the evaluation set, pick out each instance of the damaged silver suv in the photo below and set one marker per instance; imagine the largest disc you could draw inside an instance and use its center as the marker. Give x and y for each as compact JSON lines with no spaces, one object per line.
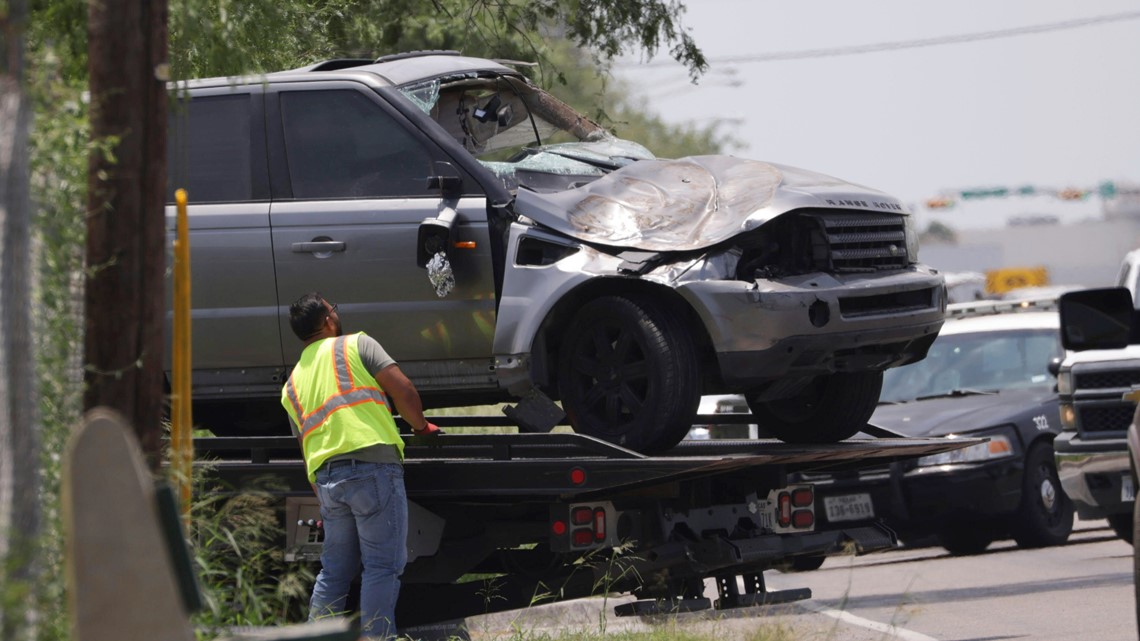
{"x":502,"y":246}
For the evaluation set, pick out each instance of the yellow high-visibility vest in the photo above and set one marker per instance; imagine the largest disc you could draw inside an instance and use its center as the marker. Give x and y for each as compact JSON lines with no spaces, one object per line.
{"x":337,"y":403}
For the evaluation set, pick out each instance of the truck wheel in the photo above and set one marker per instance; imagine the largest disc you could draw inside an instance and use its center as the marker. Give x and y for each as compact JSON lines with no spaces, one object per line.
{"x":628,"y":374}
{"x":1121,"y":524}
{"x":1045,"y":516}
{"x":831,"y":408}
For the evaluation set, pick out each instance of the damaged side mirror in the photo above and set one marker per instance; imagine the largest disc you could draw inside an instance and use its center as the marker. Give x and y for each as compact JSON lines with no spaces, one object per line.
{"x":434,"y":236}
{"x":446,"y":180}
{"x":432,"y":243}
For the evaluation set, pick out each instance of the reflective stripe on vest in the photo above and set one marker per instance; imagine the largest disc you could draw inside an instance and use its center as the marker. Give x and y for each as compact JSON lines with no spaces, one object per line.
{"x":348,"y":396}
{"x":326,"y":431}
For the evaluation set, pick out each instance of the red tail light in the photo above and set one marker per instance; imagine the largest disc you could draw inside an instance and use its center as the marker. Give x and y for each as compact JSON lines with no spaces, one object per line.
{"x":600,"y":524}
{"x":784,"y":505}
{"x":802,"y":497}
{"x":803,"y":518}
{"x":581,"y":516}
{"x":558,"y":528}
{"x":577,"y":476}
{"x":583,"y":537}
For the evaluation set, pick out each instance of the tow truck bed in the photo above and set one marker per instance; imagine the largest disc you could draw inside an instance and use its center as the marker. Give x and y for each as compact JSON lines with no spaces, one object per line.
{"x":564,"y":515}
{"x":461,"y":466}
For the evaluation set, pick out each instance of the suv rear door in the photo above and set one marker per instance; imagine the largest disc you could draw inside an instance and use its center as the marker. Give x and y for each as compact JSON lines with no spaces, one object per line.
{"x":350,"y":182}
{"x":216,"y":151}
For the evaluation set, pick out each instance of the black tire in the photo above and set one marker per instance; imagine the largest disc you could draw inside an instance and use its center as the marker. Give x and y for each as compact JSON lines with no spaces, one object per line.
{"x":1045,"y":515}
{"x":628,"y":374}
{"x":831,"y":408}
{"x":966,"y":540}
{"x":1121,"y":525}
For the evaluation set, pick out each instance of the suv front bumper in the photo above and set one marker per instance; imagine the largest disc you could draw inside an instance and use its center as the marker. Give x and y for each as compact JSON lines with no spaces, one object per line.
{"x":819,"y":323}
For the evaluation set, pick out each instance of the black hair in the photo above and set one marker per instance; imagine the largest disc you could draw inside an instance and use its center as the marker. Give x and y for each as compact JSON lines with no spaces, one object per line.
{"x":307,"y":314}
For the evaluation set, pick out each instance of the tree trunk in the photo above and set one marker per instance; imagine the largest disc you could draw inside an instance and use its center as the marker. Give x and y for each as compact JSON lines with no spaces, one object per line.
{"x":19,"y":429}
{"x":124,"y":301}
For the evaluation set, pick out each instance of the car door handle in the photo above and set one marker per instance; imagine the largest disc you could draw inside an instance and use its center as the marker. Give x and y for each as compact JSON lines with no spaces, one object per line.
{"x":318,"y":246}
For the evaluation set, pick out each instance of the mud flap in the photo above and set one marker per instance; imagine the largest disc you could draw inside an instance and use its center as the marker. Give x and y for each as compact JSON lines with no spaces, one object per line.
{"x":535,"y":412}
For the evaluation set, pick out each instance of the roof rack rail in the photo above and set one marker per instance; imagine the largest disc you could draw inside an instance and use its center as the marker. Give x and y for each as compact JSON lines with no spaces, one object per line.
{"x":417,"y":54}
{"x":991,"y":307}
{"x":340,"y":63}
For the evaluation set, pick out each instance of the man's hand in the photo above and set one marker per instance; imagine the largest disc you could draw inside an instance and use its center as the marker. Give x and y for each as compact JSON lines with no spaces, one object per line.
{"x":429,"y":429}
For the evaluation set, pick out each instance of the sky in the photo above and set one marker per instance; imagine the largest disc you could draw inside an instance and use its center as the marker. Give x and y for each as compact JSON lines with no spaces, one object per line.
{"x":1053,"y":109}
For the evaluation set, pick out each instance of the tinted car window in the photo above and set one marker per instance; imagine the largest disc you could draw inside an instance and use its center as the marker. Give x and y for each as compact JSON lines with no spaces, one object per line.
{"x":209,"y":149}
{"x":982,"y":360}
{"x":341,"y":144}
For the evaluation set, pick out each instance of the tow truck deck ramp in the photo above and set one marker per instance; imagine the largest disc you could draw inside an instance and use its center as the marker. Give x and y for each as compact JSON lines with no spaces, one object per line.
{"x":506,"y":521}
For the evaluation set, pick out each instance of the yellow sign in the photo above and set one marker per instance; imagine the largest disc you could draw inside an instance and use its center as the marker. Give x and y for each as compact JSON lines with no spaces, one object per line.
{"x":999,"y":281}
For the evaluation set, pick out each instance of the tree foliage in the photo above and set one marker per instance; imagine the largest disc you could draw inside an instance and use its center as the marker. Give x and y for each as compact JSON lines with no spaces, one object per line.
{"x":227,"y":37}
{"x":572,"y":40}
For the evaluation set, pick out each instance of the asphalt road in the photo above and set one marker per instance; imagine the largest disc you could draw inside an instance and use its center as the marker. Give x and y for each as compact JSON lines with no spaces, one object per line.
{"x":1082,"y":590}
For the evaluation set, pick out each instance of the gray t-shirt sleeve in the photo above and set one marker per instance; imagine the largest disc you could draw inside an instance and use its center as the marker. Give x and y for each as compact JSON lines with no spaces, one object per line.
{"x":372,"y":354}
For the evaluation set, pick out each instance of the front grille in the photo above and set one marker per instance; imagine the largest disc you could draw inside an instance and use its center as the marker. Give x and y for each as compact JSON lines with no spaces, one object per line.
{"x":814,"y":240}
{"x":859,"y":242}
{"x":1104,"y":418}
{"x":1123,"y":378}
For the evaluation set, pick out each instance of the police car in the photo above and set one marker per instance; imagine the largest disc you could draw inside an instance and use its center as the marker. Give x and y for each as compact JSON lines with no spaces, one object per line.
{"x":987,"y":375}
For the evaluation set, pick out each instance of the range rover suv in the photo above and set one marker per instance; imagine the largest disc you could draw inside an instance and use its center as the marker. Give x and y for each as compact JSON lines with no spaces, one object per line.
{"x":502,"y":246}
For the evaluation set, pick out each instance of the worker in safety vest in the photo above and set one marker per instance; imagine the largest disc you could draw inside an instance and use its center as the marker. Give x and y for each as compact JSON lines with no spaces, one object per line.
{"x":337,"y":398}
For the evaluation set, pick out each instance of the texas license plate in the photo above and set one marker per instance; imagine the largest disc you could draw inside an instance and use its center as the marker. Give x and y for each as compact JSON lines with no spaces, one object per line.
{"x":848,"y":507}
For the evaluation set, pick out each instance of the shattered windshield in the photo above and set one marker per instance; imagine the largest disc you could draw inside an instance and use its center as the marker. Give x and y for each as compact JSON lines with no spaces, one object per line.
{"x":991,"y":361}
{"x":525,"y":136}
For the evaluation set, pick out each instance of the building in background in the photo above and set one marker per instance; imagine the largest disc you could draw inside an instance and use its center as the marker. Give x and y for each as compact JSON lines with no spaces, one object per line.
{"x":1084,"y":253}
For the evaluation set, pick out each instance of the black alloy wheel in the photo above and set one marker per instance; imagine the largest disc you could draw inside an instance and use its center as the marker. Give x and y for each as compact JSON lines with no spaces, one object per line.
{"x":831,"y":408}
{"x":1045,"y":516}
{"x":628,"y":374}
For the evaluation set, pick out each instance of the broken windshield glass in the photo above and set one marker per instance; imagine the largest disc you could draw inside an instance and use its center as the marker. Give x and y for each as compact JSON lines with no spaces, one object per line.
{"x":423,"y":95}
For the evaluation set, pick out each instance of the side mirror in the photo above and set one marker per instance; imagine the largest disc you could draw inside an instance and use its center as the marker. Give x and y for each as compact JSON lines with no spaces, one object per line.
{"x":1055,"y":365}
{"x":434,"y":236}
{"x":1096,"y":319}
{"x":450,"y":187}
{"x":446,"y":180}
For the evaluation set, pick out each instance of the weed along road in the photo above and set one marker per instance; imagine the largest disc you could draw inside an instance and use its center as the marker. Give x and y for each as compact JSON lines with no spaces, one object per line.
{"x":1082,"y":590}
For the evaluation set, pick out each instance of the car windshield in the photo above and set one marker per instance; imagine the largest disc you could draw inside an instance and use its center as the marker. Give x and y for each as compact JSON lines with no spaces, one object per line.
{"x":981,"y":361}
{"x":524,"y":135}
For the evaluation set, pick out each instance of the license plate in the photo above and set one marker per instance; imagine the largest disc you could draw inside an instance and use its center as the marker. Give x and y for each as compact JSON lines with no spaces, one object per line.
{"x":849,"y":507}
{"x":1127,"y":492}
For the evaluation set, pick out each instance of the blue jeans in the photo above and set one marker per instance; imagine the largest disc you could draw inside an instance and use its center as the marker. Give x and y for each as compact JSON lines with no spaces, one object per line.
{"x":365,"y":513}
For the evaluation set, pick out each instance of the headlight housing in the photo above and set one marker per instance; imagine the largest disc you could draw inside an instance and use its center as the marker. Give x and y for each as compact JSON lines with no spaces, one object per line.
{"x":1068,"y":417}
{"x":911,"y":232}
{"x":1065,"y":382}
{"x":998,"y":447}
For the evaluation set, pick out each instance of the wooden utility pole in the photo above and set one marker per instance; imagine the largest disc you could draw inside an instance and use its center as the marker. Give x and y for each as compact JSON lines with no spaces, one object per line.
{"x":19,"y":426}
{"x":126,"y":180}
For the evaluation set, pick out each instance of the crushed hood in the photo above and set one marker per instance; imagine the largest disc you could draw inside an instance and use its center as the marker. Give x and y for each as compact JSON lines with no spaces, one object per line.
{"x":690,"y":203}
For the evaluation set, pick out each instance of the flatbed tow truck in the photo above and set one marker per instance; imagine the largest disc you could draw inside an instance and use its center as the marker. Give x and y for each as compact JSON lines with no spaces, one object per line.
{"x":505,"y":521}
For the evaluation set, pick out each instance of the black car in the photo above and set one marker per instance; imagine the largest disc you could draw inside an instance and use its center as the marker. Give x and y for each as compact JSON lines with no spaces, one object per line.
{"x":987,"y":375}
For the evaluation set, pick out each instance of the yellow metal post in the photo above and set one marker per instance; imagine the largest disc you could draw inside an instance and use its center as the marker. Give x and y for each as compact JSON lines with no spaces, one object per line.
{"x":181,"y":420}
